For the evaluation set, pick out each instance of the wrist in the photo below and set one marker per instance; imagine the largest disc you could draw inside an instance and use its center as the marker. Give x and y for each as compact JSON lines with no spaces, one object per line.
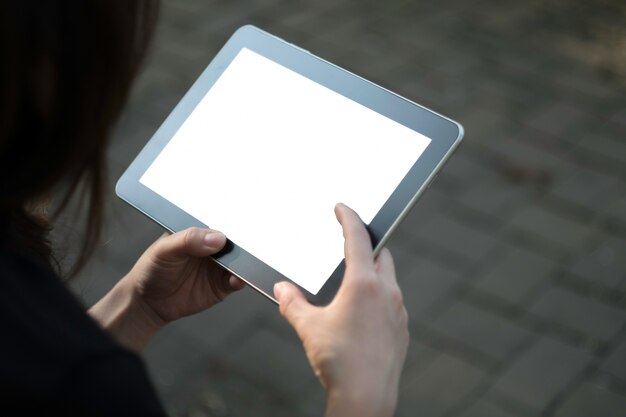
{"x":360,"y":402}
{"x":125,"y":315}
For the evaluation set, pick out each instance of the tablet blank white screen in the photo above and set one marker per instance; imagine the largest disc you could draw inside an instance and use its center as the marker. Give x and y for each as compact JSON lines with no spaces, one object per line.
{"x":267,"y":154}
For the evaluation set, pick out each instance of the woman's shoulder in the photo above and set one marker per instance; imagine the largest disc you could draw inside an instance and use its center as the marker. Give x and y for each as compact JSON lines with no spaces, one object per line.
{"x":53,"y":351}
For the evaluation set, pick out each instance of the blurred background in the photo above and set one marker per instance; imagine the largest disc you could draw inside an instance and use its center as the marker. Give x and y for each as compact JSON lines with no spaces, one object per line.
{"x":513,"y":264}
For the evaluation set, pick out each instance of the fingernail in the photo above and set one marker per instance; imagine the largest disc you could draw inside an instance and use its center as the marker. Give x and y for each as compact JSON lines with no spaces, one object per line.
{"x":212,"y":238}
{"x":278,"y":290}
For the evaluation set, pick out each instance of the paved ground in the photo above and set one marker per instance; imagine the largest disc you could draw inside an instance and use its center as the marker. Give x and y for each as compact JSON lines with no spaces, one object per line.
{"x":513,"y":264}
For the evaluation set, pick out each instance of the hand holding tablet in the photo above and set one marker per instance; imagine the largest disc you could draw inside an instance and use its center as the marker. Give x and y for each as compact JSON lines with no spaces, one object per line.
{"x":357,"y":344}
{"x":270,"y":138}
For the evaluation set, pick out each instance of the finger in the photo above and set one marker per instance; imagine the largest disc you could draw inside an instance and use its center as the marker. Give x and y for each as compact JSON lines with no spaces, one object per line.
{"x":236,"y":283}
{"x":357,"y":245}
{"x":385,"y":266}
{"x":221,"y":281}
{"x":190,"y":242}
{"x":292,"y":304}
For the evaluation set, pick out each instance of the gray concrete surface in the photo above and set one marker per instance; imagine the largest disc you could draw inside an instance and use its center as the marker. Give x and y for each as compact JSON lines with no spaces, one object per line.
{"x":513,"y":264}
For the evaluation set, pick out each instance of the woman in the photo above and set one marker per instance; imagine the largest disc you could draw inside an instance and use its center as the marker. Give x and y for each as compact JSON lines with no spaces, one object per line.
{"x":66,"y":69}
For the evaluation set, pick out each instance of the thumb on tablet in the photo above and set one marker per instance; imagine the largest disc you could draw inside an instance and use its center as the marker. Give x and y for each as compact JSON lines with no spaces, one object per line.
{"x":190,"y":242}
{"x":292,"y":303}
{"x":357,"y":243}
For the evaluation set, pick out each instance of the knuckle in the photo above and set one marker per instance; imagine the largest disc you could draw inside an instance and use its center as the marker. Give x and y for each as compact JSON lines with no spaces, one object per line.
{"x":189,"y":235}
{"x":396,"y":296}
{"x":403,"y":328}
{"x":369,"y":283}
{"x":386,"y":253}
{"x":370,"y":276}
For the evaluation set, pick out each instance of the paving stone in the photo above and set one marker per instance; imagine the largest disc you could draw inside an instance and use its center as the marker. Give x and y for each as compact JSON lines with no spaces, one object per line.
{"x":542,"y":372}
{"x":464,"y":168}
{"x":228,"y":391}
{"x":378,"y":56}
{"x":605,"y":264}
{"x":581,"y":313}
{"x":558,"y":231}
{"x":227,"y":323}
{"x":496,"y":96}
{"x":529,"y":156}
{"x":404,"y":258}
{"x":592,"y":400}
{"x":586,"y":85}
{"x":558,"y":117}
{"x":615,"y":364}
{"x":587,"y":188}
{"x":412,"y":38}
{"x":486,"y":409}
{"x":607,"y":144}
{"x":482,"y":122}
{"x":517,"y":98}
{"x":176,"y":365}
{"x":225,"y":17}
{"x":312,"y":403}
{"x":418,"y":357}
{"x":439,"y":387}
{"x":481,"y":330}
{"x":432,"y":204}
{"x":617,"y":212}
{"x":425,"y":285}
{"x":512,"y":276}
{"x":466,"y":241}
{"x":94,"y":282}
{"x":618,"y":116}
{"x":460,"y":64}
{"x":498,"y":198}
{"x":277,"y":364}
{"x":154,"y":82}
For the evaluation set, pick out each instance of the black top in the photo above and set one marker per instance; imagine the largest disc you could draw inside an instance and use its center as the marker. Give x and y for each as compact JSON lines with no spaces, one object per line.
{"x":54,"y":357}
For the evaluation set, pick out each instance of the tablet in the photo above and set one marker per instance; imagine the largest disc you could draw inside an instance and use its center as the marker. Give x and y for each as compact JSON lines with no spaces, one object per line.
{"x":263,"y":146}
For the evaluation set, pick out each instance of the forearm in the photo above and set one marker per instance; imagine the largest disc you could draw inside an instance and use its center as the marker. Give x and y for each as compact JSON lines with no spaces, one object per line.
{"x":126,"y":318}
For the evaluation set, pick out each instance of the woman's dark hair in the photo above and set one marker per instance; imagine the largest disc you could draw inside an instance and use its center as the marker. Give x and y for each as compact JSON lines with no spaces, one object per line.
{"x":66,"y":68}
